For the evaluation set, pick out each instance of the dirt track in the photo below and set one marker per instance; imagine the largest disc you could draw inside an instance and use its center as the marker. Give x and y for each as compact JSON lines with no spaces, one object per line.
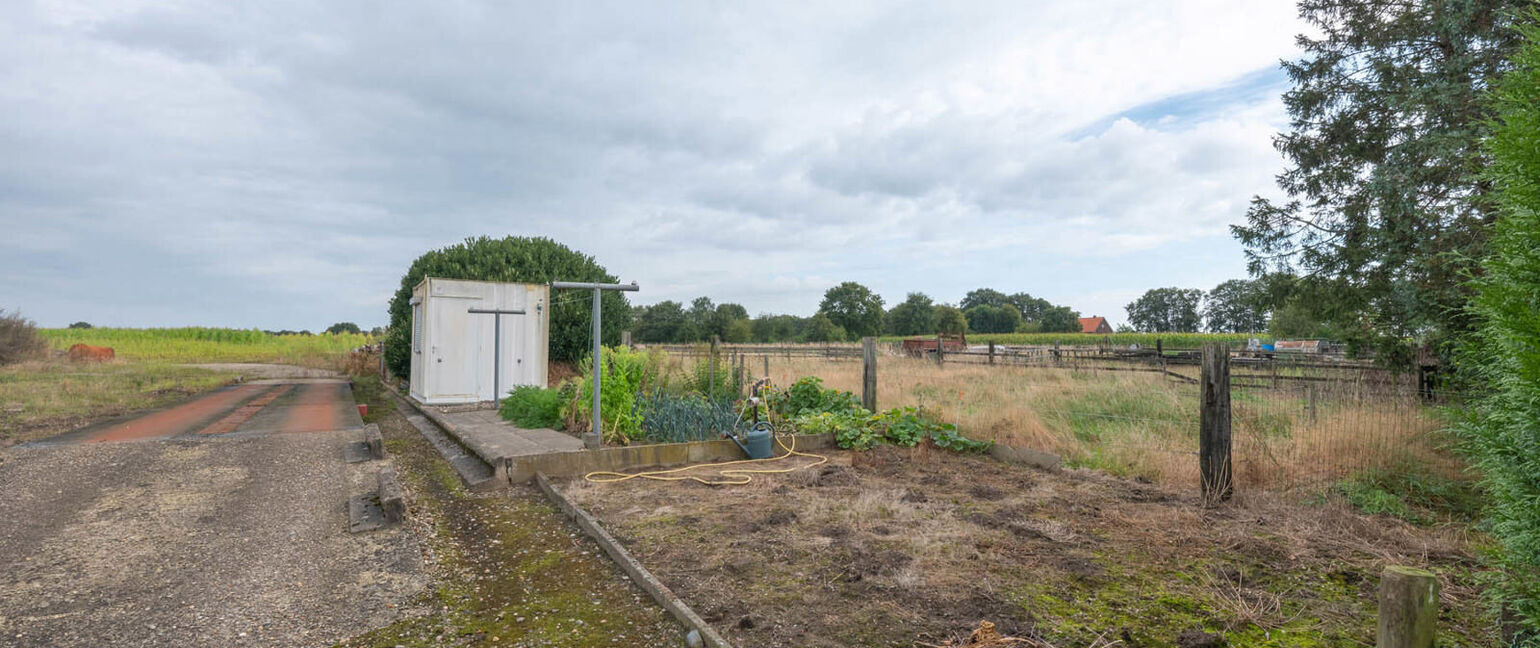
{"x":196,"y":532}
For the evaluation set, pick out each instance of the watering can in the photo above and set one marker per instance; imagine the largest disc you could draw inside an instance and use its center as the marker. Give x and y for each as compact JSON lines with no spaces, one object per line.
{"x":758,"y":439}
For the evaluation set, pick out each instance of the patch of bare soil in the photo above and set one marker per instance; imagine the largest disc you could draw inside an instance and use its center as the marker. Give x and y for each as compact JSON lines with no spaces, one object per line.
{"x":905,"y":548}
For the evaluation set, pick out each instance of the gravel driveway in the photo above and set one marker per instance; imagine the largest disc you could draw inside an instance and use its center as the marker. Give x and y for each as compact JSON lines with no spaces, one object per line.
{"x":202,"y":538}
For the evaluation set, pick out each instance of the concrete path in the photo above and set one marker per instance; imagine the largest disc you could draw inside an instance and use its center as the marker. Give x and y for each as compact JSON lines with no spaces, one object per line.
{"x":491,"y":437}
{"x":219,"y":522}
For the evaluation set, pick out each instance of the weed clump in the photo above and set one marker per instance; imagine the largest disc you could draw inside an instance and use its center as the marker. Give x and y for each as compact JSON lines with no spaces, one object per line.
{"x":19,"y":339}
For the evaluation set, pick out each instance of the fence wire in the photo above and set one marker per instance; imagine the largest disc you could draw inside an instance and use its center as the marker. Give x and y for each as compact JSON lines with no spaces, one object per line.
{"x":1308,"y":427}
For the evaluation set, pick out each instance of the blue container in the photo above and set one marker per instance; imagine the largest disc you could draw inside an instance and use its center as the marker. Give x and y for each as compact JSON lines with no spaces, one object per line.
{"x":1267,"y":347}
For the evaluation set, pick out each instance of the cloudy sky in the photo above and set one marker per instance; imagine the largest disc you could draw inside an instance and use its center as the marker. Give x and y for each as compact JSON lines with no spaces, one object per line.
{"x":279,"y":164}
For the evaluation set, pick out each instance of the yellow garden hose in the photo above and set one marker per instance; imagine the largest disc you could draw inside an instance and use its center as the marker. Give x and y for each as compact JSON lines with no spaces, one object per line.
{"x":739,"y":476}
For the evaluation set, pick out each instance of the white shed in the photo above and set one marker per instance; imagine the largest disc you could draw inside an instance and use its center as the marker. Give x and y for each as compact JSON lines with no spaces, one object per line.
{"x":455,"y":350}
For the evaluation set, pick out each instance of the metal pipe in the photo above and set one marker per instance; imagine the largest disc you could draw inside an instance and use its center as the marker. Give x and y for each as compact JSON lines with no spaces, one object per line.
{"x":630,"y":287}
{"x":597,"y":429}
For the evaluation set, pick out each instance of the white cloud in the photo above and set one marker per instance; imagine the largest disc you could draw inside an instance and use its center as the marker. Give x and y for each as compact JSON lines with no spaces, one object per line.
{"x":300,"y":155}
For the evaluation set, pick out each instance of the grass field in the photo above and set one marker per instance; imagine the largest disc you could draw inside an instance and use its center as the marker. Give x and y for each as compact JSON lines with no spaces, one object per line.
{"x":197,"y":344}
{"x":1168,"y":340}
{"x":42,"y":398}
{"x":1143,"y":425}
{"x":52,"y":395}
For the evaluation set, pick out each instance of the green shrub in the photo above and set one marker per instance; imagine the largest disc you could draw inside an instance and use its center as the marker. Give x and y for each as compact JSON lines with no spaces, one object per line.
{"x":528,"y":406}
{"x":627,"y":373}
{"x":19,"y":339}
{"x":1502,"y":358}
{"x":515,"y":259}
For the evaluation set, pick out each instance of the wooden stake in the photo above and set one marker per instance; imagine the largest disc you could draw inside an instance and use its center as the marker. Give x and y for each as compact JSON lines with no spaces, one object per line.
{"x":1408,"y":608}
{"x":869,"y":373}
{"x":1214,"y":424}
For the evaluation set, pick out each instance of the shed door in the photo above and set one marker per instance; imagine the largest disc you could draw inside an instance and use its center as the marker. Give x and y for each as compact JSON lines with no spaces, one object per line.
{"x":453,"y":354}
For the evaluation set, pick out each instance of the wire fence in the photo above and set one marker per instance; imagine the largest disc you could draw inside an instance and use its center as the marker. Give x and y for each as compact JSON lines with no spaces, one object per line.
{"x":1308,"y":427}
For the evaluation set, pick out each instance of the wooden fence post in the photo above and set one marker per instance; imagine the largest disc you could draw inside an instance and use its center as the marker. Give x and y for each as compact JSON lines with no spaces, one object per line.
{"x":625,"y":339}
{"x":869,"y":373}
{"x":940,"y":352}
{"x":767,"y":365}
{"x":991,"y":352}
{"x":1408,"y":608}
{"x":1214,"y":424}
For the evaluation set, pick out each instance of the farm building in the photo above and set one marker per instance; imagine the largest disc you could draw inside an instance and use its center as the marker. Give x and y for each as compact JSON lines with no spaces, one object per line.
{"x":1097,"y":325}
{"x":471,"y":343}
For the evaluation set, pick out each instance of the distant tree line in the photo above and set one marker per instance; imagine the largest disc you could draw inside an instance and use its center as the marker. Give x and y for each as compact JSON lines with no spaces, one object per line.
{"x":851,"y":311}
{"x":1269,"y":304}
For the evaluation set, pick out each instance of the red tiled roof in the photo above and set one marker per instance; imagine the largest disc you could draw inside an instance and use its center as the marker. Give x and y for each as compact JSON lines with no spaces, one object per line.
{"x":1092,"y":324}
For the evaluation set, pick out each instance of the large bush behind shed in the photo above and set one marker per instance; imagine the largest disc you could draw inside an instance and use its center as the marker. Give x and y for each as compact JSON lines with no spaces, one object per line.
{"x":521,"y":260}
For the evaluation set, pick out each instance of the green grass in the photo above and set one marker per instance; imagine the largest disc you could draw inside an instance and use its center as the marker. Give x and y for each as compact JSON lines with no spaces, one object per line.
{"x":198,"y":344}
{"x":40,"y":399}
{"x":1168,"y":340}
{"x":508,"y":570}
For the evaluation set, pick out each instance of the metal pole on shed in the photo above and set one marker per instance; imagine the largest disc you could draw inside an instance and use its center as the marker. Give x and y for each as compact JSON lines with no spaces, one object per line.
{"x":595,"y":435}
{"x":593,"y":439}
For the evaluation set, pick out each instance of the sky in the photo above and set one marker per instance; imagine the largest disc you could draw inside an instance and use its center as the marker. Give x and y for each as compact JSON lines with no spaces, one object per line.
{"x":280,"y":164}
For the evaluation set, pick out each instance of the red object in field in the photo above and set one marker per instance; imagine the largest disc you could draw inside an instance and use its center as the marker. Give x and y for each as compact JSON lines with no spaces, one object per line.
{"x":363,"y":409}
{"x":86,"y":352}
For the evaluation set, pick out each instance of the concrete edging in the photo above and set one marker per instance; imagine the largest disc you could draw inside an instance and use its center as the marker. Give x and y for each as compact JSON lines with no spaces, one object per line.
{"x":622,"y":458}
{"x":639,"y":574}
{"x":498,"y":464}
{"x":392,"y":502}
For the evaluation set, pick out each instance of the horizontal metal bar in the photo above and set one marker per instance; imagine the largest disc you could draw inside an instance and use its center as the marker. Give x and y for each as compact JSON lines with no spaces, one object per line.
{"x":493,"y":311}
{"x":595,"y":286}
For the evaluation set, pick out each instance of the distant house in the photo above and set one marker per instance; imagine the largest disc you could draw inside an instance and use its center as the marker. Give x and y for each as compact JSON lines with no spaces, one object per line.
{"x":1097,"y":325}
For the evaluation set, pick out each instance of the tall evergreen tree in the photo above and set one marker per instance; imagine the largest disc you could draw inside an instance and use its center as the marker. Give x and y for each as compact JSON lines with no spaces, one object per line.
{"x":1386,"y":210}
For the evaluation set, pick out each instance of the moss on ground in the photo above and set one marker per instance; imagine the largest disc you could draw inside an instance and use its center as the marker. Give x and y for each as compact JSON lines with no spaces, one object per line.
{"x":508,"y":569}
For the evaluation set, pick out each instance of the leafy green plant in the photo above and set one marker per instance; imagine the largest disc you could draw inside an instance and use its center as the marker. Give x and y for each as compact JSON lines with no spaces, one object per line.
{"x":947,"y":438}
{"x":528,"y":406}
{"x":674,"y":418}
{"x":808,"y":396}
{"x":628,"y":372}
{"x":851,"y":430}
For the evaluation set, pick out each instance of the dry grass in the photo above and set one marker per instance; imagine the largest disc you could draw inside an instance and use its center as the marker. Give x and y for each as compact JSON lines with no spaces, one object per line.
{"x":1145,"y":425}
{"x":895,"y":550}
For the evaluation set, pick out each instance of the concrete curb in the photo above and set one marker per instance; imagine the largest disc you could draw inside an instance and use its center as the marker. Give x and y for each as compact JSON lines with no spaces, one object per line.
{"x":623,"y":458}
{"x":498,"y":464}
{"x":374,"y":440}
{"x":639,"y":574}
{"x":392,"y":503}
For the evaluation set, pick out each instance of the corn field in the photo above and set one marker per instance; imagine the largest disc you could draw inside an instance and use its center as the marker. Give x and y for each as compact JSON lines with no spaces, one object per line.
{"x":201,"y":344}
